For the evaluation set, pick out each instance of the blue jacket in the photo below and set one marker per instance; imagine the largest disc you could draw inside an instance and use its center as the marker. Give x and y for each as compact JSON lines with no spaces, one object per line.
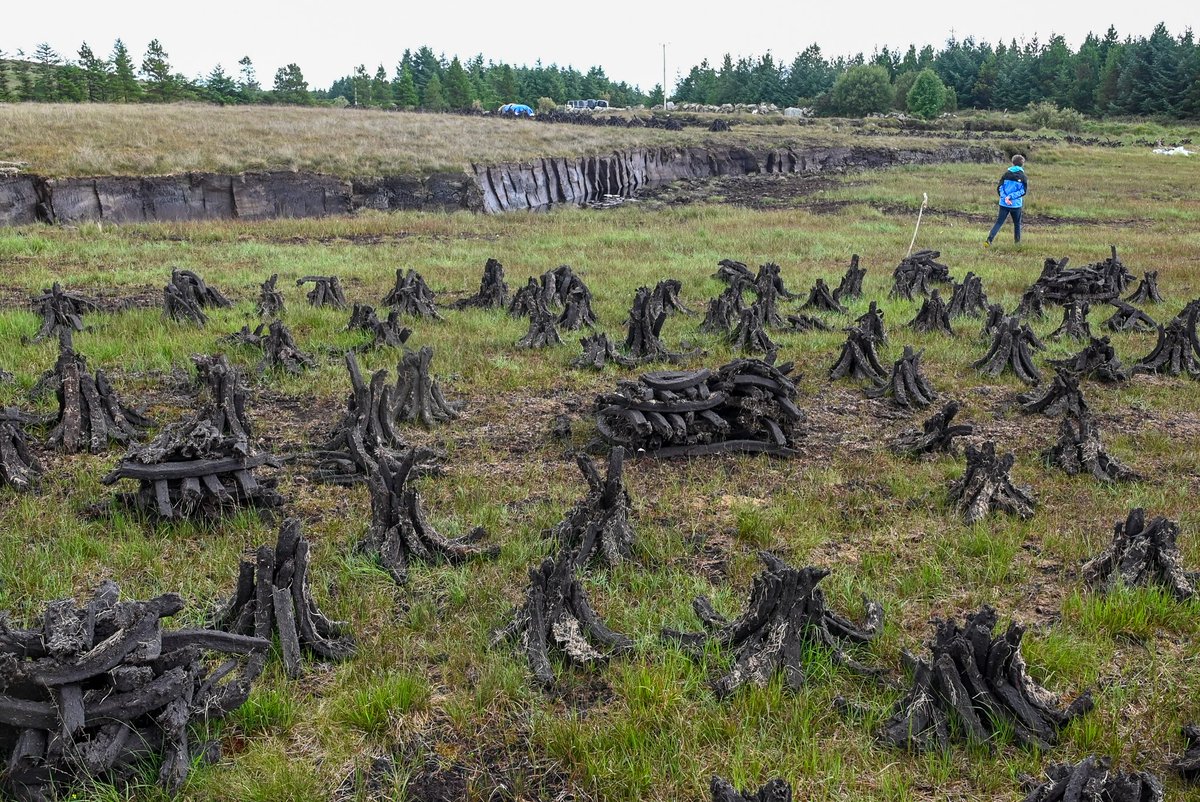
{"x":1012,"y":188}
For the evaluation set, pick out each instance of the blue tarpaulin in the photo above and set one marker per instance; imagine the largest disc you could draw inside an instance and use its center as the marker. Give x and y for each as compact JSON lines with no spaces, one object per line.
{"x":516,"y":110}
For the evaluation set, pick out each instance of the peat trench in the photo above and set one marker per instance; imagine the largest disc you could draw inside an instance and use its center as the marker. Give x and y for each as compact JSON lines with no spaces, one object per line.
{"x":530,"y":186}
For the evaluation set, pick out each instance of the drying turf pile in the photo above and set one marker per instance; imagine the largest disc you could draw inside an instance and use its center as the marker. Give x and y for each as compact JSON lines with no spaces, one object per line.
{"x":92,"y":690}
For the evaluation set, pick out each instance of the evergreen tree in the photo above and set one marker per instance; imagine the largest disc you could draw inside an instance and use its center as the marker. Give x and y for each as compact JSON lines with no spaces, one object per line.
{"x":381,"y":89}
{"x":161,"y":84}
{"x":958,"y":68}
{"x":594,"y":84}
{"x":888,"y":60}
{"x":481,"y":87}
{"x":728,"y":84}
{"x":459,"y":92}
{"x":1011,"y":89}
{"x":1085,"y":76}
{"x":1153,"y":75}
{"x":504,"y":82}
{"x":1053,"y":72}
{"x":405,"y":90}
{"x":927,"y":97}
{"x":7,"y":93}
{"x":360,"y":87}
{"x":699,"y":86}
{"x":765,"y":83}
{"x":1107,"y":90}
{"x":290,"y":86}
{"x":95,"y":73}
{"x":425,"y":65}
{"x":220,"y":87}
{"x":45,"y":84}
{"x":985,"y":80}
{"x":1188,"y":103}
{"x":433,"y":99}
{"x":71,"y":84}
{"x":23,"y":71}
{"x":810,"y":76}
{"x":1109,"y":41}
{"x":248,"y":87}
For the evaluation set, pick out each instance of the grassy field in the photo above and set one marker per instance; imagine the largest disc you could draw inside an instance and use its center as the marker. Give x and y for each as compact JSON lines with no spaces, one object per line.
{"x":425,"y":687}
{"x":59,"y":140}
{"x":98,"y":139}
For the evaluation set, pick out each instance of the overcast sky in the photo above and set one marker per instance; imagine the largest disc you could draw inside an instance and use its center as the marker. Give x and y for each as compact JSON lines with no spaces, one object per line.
{"x":328,"y":39}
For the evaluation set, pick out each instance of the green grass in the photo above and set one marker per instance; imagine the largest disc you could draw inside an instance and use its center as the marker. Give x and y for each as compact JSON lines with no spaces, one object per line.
{"x":425,"y":687}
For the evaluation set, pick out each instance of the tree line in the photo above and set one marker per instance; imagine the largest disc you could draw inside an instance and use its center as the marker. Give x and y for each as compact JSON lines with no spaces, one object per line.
{"x":424,"y":80}
{"x":420,"y":80}
{"x":1155,"y":75}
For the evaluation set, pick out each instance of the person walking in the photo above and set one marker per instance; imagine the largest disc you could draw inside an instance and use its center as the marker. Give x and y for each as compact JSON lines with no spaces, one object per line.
{"x":1012,"y":188}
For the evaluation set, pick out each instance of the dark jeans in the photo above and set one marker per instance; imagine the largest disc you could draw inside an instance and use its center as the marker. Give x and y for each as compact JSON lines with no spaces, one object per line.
{"x":1005,"y":211}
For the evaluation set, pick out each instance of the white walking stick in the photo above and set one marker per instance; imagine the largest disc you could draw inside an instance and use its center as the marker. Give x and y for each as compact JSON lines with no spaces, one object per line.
{"x":924,"y":203}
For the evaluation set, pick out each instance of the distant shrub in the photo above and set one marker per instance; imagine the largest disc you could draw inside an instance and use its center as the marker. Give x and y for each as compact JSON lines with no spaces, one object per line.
{"x":1047,"y":114}
{"x":546,"y":104}
{"x":861,"y":90}
{"x":927,"y":96}
{"x":339,"y":102}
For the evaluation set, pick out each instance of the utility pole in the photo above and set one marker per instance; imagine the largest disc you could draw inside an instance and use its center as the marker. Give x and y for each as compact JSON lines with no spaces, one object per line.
{"x":664,"y":83}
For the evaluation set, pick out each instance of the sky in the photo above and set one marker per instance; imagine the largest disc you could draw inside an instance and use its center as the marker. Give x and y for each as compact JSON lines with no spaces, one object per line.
{"x":624,"y":37}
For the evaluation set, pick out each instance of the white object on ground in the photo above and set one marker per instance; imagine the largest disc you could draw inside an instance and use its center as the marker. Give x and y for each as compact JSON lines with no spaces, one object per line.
{"x":924,"y":203}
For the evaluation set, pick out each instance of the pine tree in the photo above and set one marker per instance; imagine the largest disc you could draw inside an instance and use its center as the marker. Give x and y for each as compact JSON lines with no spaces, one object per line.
{"x":958,"y":68}
{"x":1154,"y":70}
{"x":24,"y":74}
{"x":1108,"y":88}
{"x":1110,"y":41}
{"x":405,"y":91}
{"x":361,"y":87}
{"x":161,"y":85}
{"x":459,"y":92}
{"x":504,"y":81}
{"x":811,"y":76}
{"x":290,"y":86}
{"x":45,"y":85}
{"x":985,"y":81}
{"x":425,"y":65}
{"x":1189,"y":100}
{"x":96,"y":75}
{"x":71,"y":84}
{"x":1053,"y":72}
{"x":926,"y":59}
{"x":381,"y":90}
{"x":433,"y":99}
{"x":482,"y":84}
{"x":1085,"y":69}
{"x":728,"y":85}
{"x":7,"y":94}
{"x":248,"y":86}
{"x":220,"y":87}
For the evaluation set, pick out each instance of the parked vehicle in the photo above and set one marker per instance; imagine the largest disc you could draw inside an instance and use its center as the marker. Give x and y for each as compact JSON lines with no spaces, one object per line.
{"x":587,"y":104}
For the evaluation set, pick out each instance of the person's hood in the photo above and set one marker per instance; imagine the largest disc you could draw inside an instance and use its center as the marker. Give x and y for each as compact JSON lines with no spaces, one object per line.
{"x":1016,"y":169}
